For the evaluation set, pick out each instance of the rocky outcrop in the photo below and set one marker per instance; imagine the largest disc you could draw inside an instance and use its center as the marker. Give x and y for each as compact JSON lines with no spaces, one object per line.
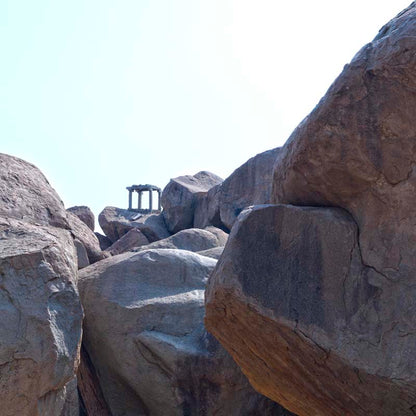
{"x":115,"y":222}
{"x":147,"y":308}
{"x":214,"y":253}
{"x":25,"y":194}
{"x":133,"y":238}
{"x":84,"y":214}
{"x":250,"y":184}
{"x":41,"y":314}
{"x":325,"y":296}
{"x":103,"y":240}
{"x":83,"y":234}
{"x":192,"y":239}
{"x":180,"y":195}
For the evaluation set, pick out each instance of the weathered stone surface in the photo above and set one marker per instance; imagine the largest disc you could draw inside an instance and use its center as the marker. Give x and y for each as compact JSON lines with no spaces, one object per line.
{"x":326,"y":302}
{"x":133,"y":238}
{"x":357,"y":149}
{"x":82,"y":233}
{"x":145,"y":336}
{"x":250,"y":184}
{"x":312,"y":326}
{"x":92,"y":398}
{"x":180,"y":195}
{"x":40,"y":329}
{"x":207,"y":208}
{"x":84,"y":214}
{"x":103,"y":240}
{"x":221,"y":235}
{"x":26,"y":194}
{"x":115,"y":222}
{"x":82,"y":254}
{"x":192,"y":239}
{"x":214,"y":253}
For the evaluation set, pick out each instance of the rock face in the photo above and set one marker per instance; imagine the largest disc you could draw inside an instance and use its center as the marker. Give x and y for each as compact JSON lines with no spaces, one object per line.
{"x":192,"y":239}
{"x":250,"y":184}
{"x":25,"y":194}
{"x":325,"y":297}
{"x":103,"y":240}
{"x":134,"y":238}
{"x":84,"y":214}
{"x":214,"y":253}
{"x":145,"y":336}
{"x":116,"y":222}
{"x":83,"y":234}
{"x":41,"y":313}
{"x":180,"y":195}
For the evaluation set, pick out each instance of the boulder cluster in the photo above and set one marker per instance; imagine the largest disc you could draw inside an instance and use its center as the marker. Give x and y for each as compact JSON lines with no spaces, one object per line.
{"x":112,"y":324}
{"x":288,"y":288}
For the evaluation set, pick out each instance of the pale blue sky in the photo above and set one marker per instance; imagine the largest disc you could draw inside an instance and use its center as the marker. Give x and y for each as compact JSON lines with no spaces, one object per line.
{"x":101,"y":94}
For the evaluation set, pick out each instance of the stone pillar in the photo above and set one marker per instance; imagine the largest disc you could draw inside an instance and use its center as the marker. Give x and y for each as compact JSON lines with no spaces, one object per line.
{"x":139,"y":203}
{"x":159,"y":206}
{"x":150,"y":200}
{"x":130,"y":198}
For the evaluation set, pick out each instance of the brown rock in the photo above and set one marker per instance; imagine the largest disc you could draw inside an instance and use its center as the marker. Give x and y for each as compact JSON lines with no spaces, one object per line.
{"x":316,"y":305}
{"x":133,"y":238}
{"x":26,"y":194}
{"x":83,"y":234}
{"x":103,"y":240}
{"x":40,"y":329}
{"x":180,"y":195}
{"x":147,"y":308}
{"x":115,"y":222}
{"x":84,"y":214}
{"x":250,"y":184}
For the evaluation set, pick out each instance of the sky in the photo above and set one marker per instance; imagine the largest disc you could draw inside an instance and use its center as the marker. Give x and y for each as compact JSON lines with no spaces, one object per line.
{"x":103,"y":94}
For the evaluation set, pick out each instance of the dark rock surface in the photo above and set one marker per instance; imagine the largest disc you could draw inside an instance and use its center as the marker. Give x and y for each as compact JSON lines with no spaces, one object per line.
{"x":147,"y":308}
{"x":84,"y":214}
{"x":317,"y":305}
{"x":115,"y":222}
{"x":180,"y":195}
{"x":103,"y":240}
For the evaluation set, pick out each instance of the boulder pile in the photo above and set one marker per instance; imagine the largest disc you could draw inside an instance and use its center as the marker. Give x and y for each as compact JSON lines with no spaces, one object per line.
{"x":301,"y":264}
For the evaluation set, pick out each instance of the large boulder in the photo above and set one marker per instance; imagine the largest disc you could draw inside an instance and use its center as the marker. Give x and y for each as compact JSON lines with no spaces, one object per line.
{"x":250,"y":184}
{"x":180,"y":195}
{"x":133,"y":238}
{"x":145,"y":336}
{"x":26,"y":194}
{"x":192,"y":239}
{"x":84,"y":214}
{"x":40,"y":329}
{"x":325,"y":297}
{"x":83,"y":234}
{"x":115,"y":222}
